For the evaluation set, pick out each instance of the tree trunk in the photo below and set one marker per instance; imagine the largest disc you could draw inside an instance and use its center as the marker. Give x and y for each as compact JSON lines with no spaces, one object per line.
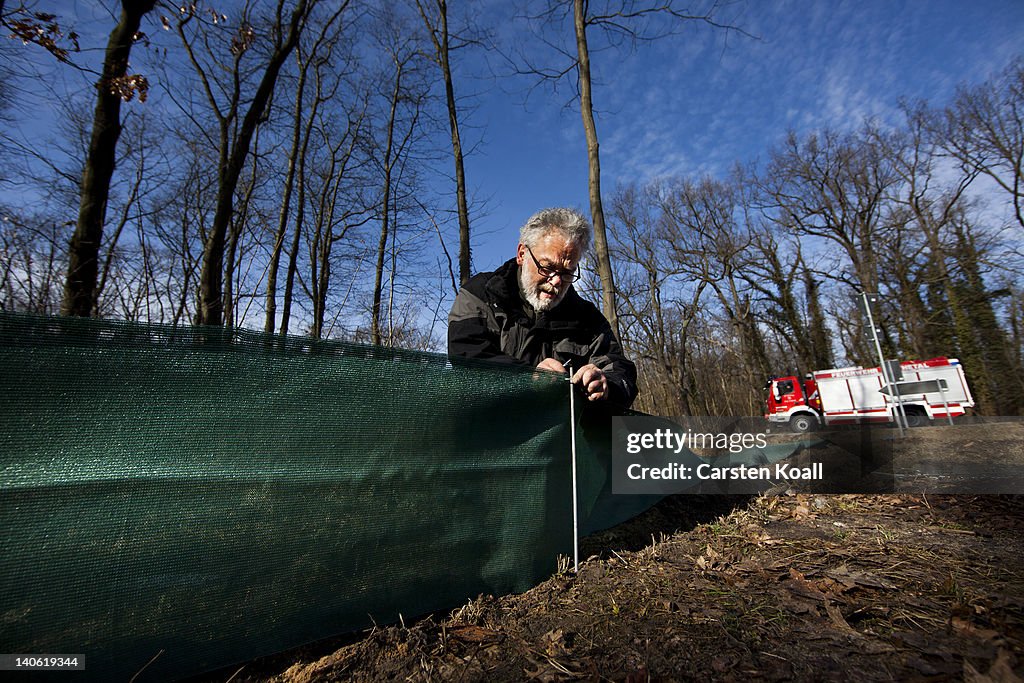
{"x":378,"y":281}
{"x":817,"y":331}
{"x":282,"y":221}
{"x":211,"y":295}
{"x":604,"y":266}
{"x":460,"y":172}
{"x":293,"y":255}
{"x":440,"y":37}
{"x":297,"y":156}
{"x":83,"y":263}
{"x":108,"y":262}
{"x":238,"y":223}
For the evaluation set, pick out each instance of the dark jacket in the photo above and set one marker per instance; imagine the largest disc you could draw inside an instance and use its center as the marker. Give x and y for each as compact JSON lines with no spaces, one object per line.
{"x":490,"y":320}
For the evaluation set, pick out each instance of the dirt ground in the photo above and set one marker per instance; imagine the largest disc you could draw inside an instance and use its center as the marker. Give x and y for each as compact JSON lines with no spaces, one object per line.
{"x":786,"y":587}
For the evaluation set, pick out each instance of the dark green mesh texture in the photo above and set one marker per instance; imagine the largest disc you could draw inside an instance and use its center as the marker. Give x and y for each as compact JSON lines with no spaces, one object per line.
{"x":221,"y":495}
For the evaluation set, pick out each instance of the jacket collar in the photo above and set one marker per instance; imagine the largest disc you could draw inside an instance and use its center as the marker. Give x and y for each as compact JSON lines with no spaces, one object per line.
{"x":504,"y":287}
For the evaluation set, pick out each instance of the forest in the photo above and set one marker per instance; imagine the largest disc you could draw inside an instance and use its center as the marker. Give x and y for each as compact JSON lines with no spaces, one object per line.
{"x":298,"y":168}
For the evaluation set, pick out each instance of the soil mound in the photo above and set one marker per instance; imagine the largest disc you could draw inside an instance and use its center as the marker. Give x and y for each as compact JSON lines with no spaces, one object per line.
{"x":793,"y":587}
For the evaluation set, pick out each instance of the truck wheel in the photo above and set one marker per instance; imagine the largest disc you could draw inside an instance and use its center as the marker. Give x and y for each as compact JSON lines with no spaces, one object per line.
{"x":802,"y":423}
{"x":916,"y":419}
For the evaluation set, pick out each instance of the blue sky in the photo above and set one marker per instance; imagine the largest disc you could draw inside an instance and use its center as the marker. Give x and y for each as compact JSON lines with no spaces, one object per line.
{"x":688,"y":104}
{"x":700,"y":102}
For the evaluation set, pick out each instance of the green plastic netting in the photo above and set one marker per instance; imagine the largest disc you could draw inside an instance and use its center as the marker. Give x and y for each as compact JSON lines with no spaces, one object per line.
{"x":217,"y":495}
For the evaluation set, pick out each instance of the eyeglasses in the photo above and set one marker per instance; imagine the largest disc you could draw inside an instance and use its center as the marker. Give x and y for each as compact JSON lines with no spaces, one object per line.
{"x":547,"y":272}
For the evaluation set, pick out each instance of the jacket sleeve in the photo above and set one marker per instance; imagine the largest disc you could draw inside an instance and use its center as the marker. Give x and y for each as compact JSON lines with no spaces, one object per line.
{"x":473,"y":331}
{"x":606,"y":353}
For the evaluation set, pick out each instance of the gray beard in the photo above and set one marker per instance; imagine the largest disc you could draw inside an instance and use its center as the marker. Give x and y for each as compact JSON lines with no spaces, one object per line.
{"x":530,"y":294}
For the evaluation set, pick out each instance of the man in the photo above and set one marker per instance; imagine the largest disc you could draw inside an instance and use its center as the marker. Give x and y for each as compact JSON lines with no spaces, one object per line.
{"x":527,"y":312}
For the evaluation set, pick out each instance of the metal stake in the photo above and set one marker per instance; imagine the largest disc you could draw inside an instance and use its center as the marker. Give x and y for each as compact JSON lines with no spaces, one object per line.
{"x":575,"y":497}
{"x":898,"y":413}
{"x":945,"y":403}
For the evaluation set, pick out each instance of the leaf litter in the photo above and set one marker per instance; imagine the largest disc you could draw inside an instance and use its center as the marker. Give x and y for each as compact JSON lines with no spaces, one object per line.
{"x":791,"y":587}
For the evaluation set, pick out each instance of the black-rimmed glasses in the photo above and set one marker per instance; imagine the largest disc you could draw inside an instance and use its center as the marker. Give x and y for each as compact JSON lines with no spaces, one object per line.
{"x":547,"y":272}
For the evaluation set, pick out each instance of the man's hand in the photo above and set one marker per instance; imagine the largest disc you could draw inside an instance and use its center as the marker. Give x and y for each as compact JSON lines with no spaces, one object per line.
{"x":592,"y":381}
{"x":552,"y":365}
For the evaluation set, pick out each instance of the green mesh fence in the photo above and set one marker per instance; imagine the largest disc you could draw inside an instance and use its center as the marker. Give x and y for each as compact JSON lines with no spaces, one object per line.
{"x":214,"y":496}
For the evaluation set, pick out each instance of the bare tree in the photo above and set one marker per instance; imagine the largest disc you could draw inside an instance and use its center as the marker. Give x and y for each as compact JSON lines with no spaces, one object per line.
{"x":984,"y":130}
{"x":437,"y":27}
{"x":234,"y":141}
{"x":703,"y":231}
{"x":404,"y":92}
{"x":604,"y":265}
{"x":317,"y":56}
{"x":141,"y":170}
{"x":658,"y":312}
{"x":31,"y":249}
{"x":835,"y":188}
{"x":618,"y":22}
{"x":299,"y":145}
{"x":114,"y":85}
{"x":938,"y":260}
{"x":780,"y":274}
{"x":337,"y":211}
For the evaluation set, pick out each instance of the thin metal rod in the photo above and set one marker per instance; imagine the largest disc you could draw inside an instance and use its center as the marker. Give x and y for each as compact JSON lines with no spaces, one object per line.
{"x":945,"y":403}
{"x":898,"y":411}
{"x":575,"y":496}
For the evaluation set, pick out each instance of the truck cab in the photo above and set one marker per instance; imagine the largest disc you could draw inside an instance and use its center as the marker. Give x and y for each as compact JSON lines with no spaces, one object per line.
{"x":788,"y":400}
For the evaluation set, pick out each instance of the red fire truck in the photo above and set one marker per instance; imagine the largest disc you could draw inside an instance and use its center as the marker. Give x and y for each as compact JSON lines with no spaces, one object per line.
{"x":930,"y":389}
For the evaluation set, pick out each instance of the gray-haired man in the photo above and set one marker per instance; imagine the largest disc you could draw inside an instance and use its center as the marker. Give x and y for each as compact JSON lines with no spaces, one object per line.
{"x":527,"y":312}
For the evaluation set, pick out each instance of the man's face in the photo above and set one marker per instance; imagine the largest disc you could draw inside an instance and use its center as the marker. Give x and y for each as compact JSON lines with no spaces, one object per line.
{"x":553,"y":253}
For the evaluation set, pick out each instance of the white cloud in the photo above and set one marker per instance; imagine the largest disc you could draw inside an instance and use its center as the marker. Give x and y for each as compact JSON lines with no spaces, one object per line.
{"x":695,"y":103}
{"x":702,"y":101}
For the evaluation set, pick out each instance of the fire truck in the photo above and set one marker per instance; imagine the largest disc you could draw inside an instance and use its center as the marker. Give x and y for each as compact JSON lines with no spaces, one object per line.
{"x":929,"y":390}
